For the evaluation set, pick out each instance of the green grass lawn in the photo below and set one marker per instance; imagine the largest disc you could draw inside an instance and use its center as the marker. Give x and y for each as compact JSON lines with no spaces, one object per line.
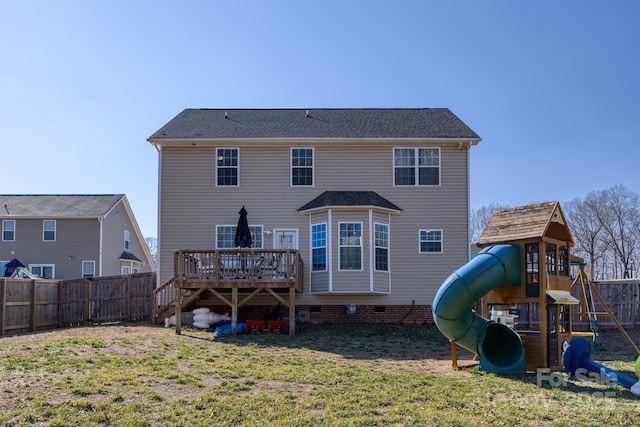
{"x":138,"y":374}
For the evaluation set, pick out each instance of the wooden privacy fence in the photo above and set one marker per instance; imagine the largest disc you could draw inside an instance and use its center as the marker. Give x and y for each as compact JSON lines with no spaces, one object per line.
{"x":28,"y":305}
{"x":622,"y":296}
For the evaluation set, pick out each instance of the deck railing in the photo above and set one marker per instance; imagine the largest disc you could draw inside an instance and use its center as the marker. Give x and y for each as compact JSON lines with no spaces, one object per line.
{"x":238,"y":267}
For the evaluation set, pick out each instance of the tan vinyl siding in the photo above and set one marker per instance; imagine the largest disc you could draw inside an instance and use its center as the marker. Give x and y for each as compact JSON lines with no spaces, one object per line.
{"x":114,"y":225}
{"x":191,"y":206}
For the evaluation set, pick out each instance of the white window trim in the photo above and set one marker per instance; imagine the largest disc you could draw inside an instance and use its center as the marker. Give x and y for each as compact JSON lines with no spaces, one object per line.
{"x":427,"y":230}
{"x":313,"y":166}
{"x":237,"y":166}
{"x":260,"y":226}
{"x":42,"y":266}
{"x":14,"y":229}
{"x":82,"y":273}
{"x":373,"y":257}
{"x":325,"y":247}
{"x":361,"y":246}
{"x":415,"y":166}
{"x":127,"y":240}
{"x":44,"y":230}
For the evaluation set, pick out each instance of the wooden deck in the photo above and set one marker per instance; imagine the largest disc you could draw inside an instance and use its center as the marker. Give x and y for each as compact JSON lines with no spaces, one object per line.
{"x":243,"y":272}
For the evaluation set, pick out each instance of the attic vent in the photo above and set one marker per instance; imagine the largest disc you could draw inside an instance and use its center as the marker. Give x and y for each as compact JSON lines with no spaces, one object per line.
{"x":225,"y":115}
{"x":307,"y":114}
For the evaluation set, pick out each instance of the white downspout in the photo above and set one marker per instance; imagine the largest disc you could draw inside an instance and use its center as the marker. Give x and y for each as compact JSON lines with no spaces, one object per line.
{"x":100,"y":221}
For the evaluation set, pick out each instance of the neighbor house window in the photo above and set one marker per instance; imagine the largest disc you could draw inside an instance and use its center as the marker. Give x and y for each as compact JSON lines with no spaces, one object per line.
{"x":350,"y":240}
{"x":49,"y":230}
{"x":416,"y":166}
{"x":226,"y":234}
{"x":44,"y":271}
{"x":88,"y":269}
{"x":430,"y":241}
{"x":381,"y":247}
{"x":127,"y":239}
{"x":302,"y":166}
{"x":125,"y":270}
{"x":319,"y":247}
{"x":8,"y":230}
{"x":227,"y":166}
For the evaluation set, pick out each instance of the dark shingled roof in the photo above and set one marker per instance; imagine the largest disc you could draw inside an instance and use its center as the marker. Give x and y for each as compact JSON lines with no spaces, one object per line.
{"x":129,"y":256}
{"x":315,"y":123}
{"x":57,"y":205}
{"x":348,"y":199}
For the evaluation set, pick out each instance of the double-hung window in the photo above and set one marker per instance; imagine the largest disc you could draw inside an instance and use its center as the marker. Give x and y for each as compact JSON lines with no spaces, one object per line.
{"x":225,"y":236}
{"x":319,"y":247}
{"x":430,"y":241}
{"x":350,"y":238}
{"x":302,"y":167}
{"x":127,"y":240}
{"x":49,"y":230}
{"x":227,"y":167}
{"x":416,"y":166}
{"x":381,"y":247}
{"x":8,"y":230}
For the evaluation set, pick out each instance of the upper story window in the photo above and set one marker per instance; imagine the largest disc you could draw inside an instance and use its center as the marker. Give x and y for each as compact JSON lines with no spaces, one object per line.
{"x":350,"y":240}
{"x":225,"y":236}
{"x":8,"y":230}
{"x":430,"y":241}
{"x":88,"y":269}
{"x":381,"y":247}
{"x":302,"y":166}
{"x":227,"y":167}
{"x":49,"y":230}
{"x":531,"y":253}
{"x":416,"y":166}
{"x":127,"y":239}
{"x":319,"y":247}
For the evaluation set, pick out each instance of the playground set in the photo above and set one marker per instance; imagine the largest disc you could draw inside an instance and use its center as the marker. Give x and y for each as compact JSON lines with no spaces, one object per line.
{"x":522,"y":276}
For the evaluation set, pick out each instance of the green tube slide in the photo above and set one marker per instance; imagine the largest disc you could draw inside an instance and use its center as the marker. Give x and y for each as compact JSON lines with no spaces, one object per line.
{"x":500,"y":348}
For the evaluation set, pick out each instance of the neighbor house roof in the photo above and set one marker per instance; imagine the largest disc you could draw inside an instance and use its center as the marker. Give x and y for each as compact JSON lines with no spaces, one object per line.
{"x":436,"y":123}
{"x":330,"y":199}
{"x":57,"y":205}
{"x":526,"y":222}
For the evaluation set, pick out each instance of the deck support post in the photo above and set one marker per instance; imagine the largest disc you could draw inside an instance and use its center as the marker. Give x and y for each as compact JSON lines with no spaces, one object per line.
{"x":234,"y":310}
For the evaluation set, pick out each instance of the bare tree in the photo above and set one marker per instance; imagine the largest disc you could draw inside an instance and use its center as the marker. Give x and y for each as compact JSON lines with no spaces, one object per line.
{"x":152,"y":244}
{"x":479,"y":219}
{"x":617,"y":211}
{"x":586,"y":229}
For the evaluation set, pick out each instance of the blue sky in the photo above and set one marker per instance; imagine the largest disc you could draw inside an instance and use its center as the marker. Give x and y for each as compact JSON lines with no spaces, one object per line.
{"x":552,"y":87}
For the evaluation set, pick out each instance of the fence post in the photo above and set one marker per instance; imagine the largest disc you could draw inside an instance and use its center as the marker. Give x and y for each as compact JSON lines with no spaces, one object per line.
{"x":86,"y":306}
{"x":32,"y":326}
{"x":60,"y":303}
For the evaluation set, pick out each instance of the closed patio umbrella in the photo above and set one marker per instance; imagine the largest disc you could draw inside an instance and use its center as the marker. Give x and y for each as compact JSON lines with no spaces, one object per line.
{"x":243,"y":234}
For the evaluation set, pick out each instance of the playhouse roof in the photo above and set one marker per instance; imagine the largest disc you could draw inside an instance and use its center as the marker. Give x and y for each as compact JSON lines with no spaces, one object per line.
{"x":533,"y":221}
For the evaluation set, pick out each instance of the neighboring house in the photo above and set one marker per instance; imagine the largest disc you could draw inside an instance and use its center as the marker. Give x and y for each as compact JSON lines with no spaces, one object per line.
{"x":376,"y":201}
{"x":72,"y":236}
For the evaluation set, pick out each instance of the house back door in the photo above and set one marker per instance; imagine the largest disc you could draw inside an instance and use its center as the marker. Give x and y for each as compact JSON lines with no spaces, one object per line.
{"x":285,"y":239}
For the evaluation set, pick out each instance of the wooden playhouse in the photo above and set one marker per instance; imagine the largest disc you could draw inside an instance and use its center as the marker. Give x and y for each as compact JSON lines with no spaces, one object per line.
{"x":539,"y":310}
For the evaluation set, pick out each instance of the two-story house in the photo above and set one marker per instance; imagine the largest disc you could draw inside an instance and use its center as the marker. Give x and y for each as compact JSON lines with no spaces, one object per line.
{"x":374,"y":201}
{"x":72,"y":236}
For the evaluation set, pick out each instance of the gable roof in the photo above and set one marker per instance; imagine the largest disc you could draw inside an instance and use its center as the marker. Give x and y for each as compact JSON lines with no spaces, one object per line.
{"x":526,"y":222}
{"x":57,"y":205}
{"x":330,"y":199}
{"x":315,"y":123}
